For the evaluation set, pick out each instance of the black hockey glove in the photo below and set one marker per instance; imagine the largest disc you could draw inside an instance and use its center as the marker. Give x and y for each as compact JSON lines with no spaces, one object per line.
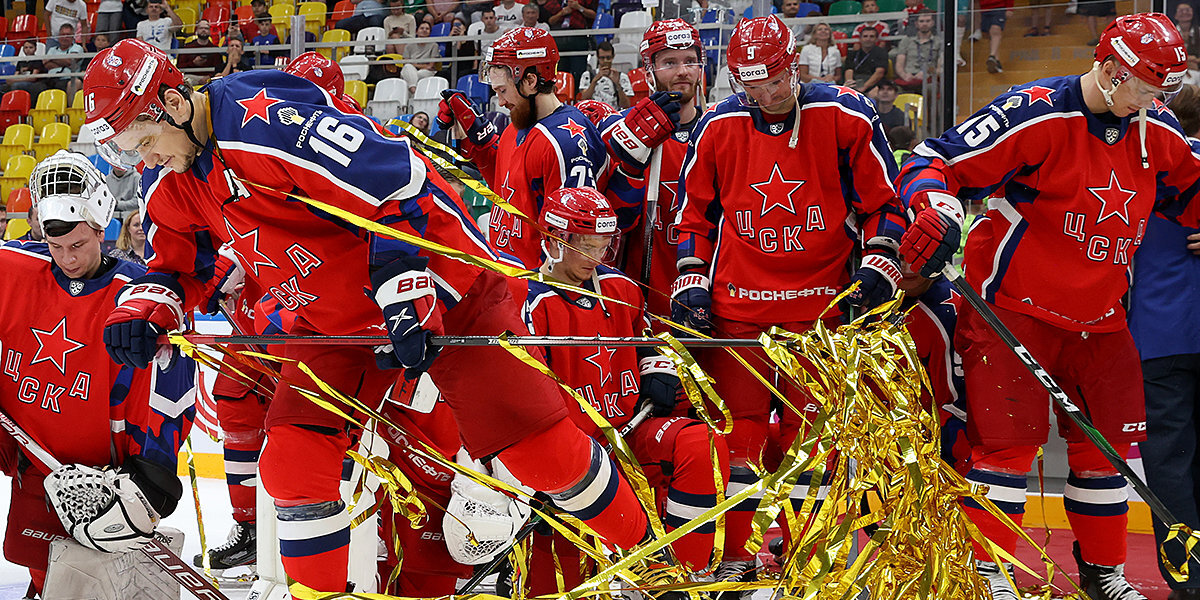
{"x":659,"y":385}
{"x":878,"y":278}
{"x":691,"y":301}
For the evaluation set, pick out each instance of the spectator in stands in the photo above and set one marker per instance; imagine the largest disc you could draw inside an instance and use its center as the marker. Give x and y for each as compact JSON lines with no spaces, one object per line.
{"x":109,"y":15}
{"x":65,"y":12}
{"x":99,"y":42}
{"x":160,"y":25}
{"x":606,"y":84}
{"x":378,"y":72}
{"x":908,"y":26}
{"x":573,"y":15}
{"x":1184,"y":19}
{"x":472,"y":10}
{"x":918,"y":57}
{"x":132,"y":13}
{"x":131,"y":242}
{"x":399,"y":19}
{"x":420,"y":120}
{"x":125,"y":185}
{"x":416,"y":8}
{"x":1042,"y":9}
{"x":265,"y":37}
{"x":443,"y":11}
{"x":820,"y":59}
{"x":26,"y":68}
{"x":484,"y":32}
{"x":508,"y":14}
{"x":236,"y":60}
{"x":870,"y":7}
{"x":367,"y":13}
{"x":885,"y":97}
{"x":424,"y":55}
{"x":789,"y":9}
{"x":995,"y":15}
{"x":249,"y":27}
{"x":902,"y":140}
{"x":57,"y":60}
{"x":866,"y":66}
{"x":201,"y":66}
{"x":1099,"y":13}
{"x":531,"y":16}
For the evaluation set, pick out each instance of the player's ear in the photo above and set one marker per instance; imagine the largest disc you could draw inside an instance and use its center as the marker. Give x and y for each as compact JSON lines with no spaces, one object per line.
{"x":176,"y":105}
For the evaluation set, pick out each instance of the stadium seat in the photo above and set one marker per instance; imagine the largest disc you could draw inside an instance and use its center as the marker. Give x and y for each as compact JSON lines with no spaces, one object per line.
{"x":85,"y":142}
{"x":18,"y":201}
{"x":4,"y":23}
{"x":428,"y":95}
{"x":14,"y":108}
{"x":281,"y":18}
{"x":7,"y":68}
{"x":625,"y":56}
{"x":75,"y":113}
{"x":344,"y":9}
{"x":113,"y":230}
{"x":390,"y":100}
{"x":18,"y":139}
{"x":913,"y":106}
{"x":845,"y":7}
{"x":890,"y":5}
{"x":55,"y":137}
{"x":564,"y":86}
{"x":603,"y":21}
{"x":358,"y":90}
{"x":314,"y":16}
{"x":480,"y":93}
{"x":370,"y":34}
{"x":721,"y":85}
{"x":639,"y":83}
{"x":100,"y":163}
{"x":16,"y":171}
{"x":638,"y":19}
{"x":51,"y":104}
{"x":441,"y":30}
{"x":808,"y":8}
{"x":218,"y":19}
{"x":188,"y":15}
{"x":339,"y":36}
{"x":354,"y":67}
{"x":23,"y":27}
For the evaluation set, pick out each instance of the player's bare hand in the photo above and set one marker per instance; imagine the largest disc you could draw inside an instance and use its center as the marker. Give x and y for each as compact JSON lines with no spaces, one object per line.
{"x":1194,"y":243}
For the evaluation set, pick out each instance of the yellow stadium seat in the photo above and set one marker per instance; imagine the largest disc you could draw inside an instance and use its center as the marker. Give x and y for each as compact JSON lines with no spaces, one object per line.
{"x":281,"y":18}
{"x":195,"y":5}
{"x":16,"y":173}
{"x":314,"y":16}
{"x":75,"y":113}
{"x":187,"y":14}
{"x":16,"y":228}
{"x":913,"y":106}
{"x":18,"y":139}
{"x":358,"y":91}
{"x":340,"y":36}
{"x":55,"y":137}
{"x":51,"y":104}
{"x":284,"y":9}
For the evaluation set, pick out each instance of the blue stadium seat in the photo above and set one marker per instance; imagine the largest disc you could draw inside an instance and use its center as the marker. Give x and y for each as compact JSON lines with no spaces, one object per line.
{"x":480,"y":93}
{"x":749,"y":14}
{"x":113,"y":230}
{"x":7,"y":68}
{"x":603,"y":21}
{"x":441,"y":30}
{"x":100,"y":163}
{"x":808,"y":8}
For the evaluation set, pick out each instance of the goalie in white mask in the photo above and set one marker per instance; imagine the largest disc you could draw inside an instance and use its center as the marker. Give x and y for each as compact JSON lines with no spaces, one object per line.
{"x":118,"y":430}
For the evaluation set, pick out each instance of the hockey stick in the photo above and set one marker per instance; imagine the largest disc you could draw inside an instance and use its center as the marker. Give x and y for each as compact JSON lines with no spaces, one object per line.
{"x":532,"y":523}
{"x":156,"y":549}
{"x":1062,"y":400}
{"x":462,"y":340}
{"x":651,"y":216}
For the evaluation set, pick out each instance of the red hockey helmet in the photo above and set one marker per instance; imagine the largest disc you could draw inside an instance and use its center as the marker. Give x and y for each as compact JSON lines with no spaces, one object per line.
{"x":584,"y":218}
{"x":760,"y":49}
{"x":519,"y":50}
{"x":319,"y":70}
{"x":1147,"y":46}
{"x":671,"y":34}
{"x":595,"y":110}
{"x":123,"y":83}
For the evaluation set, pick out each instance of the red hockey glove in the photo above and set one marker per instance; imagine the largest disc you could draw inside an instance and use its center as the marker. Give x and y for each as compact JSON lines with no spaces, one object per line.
{"x":405,"y":292}
{"x":648,"y":124}
{"x":147,"y":307}
{"x":455,"y":107}
{"x":930,"y":242}
{"x":878,"y":277}
{"x":227,"y":281}
{"x":659,"y":385}
{"x":691,"y":301}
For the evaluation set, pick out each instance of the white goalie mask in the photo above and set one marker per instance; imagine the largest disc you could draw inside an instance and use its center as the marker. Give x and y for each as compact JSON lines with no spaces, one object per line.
{"x":67,"y":187}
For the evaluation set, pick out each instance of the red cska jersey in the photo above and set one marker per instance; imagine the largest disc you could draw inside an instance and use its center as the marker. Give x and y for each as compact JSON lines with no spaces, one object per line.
{"x":609,"y":378}
{"x":282,"y":132}
{"x":58,"y":382}
{"x":1070,"y":198}
{"x":778,"y":225}
{"x":562,"y":150}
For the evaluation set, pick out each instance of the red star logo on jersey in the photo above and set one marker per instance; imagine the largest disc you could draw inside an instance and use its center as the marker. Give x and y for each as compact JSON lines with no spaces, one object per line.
{"x":777,"y":192}
{"x":1115,"y":196}
{"x":256,"y":107}
{"x":573,"y":128}
{"x":667,"y":197}
{"x":1038,"y":93}
{"x":1159,"y":106}
{"x":54,"y":346}
{"x":953,"y":301}
{"x":847,"y":91}
{"x":603,"y":353}
{"x":509,"y":192}
{"x":248,"y":253}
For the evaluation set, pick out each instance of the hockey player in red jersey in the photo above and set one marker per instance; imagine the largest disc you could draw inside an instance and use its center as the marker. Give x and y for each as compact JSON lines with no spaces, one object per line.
{"x":89,"y":412}
{"x":549,"y":145}
{"x":780,"y":182}
{"x":1052,"y":213}
{"x":236,"y":163}
{"x":618,"y":382}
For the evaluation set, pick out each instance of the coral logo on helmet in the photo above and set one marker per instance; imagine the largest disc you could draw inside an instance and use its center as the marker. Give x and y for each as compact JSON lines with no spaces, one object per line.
{"x":144,"y":74}
{"x":679,"y":39}
{"x":1173,"y":79}
{"x":556,"y":221}
{"x":531,"y":53}
{"x":1122,"y":49}
{"x":606,"y":225}
{"x":113,"y":61}
{"x":752,"y":72}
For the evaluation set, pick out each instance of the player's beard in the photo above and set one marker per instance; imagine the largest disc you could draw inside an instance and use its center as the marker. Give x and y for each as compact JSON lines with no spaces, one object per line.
{"x":688,"y":95}
{"x":524,"y":114}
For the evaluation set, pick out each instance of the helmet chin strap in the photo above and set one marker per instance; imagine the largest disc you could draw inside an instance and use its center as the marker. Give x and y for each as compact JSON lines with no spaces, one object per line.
{"x":187,"y":126}
{"x":1108,"y":94}
{"x":1141,"y":117}
{"x":551,"y":261}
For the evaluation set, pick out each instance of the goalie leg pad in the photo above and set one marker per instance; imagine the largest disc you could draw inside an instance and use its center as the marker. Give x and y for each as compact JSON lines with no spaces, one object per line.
{"x":314,"y":543}
{"x":76,"y":572}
